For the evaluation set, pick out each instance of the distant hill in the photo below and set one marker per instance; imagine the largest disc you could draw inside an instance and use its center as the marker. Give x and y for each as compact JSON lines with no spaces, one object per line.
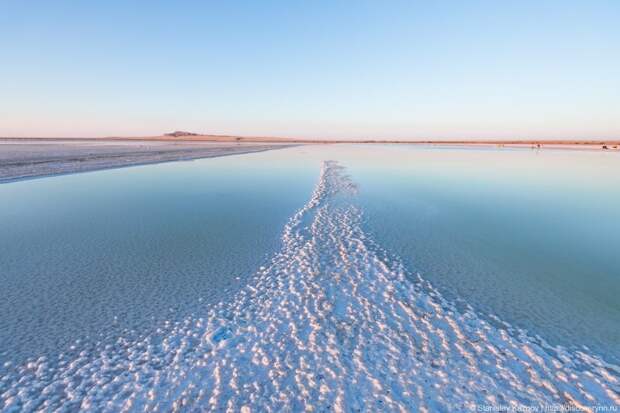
{"x":180,"y":133}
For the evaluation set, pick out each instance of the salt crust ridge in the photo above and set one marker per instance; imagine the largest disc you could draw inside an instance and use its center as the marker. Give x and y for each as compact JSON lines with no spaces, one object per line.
{"x":333,"y":322}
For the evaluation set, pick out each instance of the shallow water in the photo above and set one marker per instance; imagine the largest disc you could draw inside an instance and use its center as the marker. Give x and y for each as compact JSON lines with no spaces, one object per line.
{"x":124,"y":249}
{"x":530,"y":236}
{"x":413,"y":278}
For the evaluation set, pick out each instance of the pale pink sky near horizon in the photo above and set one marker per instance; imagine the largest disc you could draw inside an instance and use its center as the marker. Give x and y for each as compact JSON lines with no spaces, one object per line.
{"x":82,"y":128}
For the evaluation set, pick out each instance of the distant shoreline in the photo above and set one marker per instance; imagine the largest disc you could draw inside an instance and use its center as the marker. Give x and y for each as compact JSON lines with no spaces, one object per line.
{"x":609,"y":144}
{"x":27,"y":159}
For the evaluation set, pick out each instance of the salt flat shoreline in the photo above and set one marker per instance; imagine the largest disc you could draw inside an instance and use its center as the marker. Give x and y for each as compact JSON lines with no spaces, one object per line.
{"x":32,"y":158}
{"x":186,"y":137}
{"x":190,"y":137}
{"x":27,"y":158}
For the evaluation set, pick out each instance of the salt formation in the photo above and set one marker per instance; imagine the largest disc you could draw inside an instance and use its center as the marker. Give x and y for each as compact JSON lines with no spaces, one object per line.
{"x":333,"y":322}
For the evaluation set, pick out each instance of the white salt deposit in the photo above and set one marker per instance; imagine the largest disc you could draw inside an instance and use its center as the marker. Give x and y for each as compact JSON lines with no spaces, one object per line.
{"x":332,"y":323}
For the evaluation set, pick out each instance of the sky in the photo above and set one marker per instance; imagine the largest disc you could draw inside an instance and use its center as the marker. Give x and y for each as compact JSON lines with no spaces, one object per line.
{"x":315,"y":69}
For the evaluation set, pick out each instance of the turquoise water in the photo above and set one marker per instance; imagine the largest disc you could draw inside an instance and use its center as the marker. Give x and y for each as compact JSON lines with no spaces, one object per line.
{"x":87,"y":256}
{"x":409,"y":256}
{"x":529,"y":236}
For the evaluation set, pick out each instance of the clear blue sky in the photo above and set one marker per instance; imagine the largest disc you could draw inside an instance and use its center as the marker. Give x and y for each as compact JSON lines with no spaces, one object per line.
{"x":545,"y":69}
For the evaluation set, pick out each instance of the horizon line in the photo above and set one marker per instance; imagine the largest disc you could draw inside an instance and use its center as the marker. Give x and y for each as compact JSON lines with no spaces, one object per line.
{"x":180,"y":136}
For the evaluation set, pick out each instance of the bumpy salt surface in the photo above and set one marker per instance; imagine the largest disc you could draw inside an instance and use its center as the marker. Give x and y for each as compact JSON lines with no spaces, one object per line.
{"x":332,"y":323}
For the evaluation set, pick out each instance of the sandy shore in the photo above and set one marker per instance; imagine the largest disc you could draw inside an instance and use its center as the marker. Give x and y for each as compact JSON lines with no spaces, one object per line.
{"x":602,"y":144}
{"x":22,"y":159}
